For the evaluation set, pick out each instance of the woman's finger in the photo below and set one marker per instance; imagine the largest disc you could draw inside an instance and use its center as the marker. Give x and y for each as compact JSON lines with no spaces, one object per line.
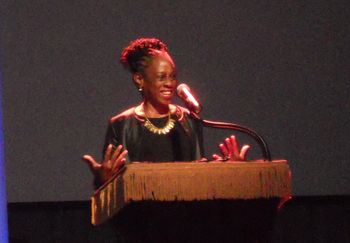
{"x":119,"y":162}
{"x":244,"y":151}
{"x":216,"y":157}
{"x":224,"y":150}
{"x":91,"y":162}
{"x":229,"y":147}
{"x":116,"y":153}
{"x":108,"y":153}
{"x":235,"y":146}
{"x":118,"y":167}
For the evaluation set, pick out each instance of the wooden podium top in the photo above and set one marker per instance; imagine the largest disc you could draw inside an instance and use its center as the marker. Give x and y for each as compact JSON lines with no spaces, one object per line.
{"x":190,"y":181}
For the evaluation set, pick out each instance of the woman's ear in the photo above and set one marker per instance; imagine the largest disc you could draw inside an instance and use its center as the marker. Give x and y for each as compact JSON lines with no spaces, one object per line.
{"x":138,"y":80}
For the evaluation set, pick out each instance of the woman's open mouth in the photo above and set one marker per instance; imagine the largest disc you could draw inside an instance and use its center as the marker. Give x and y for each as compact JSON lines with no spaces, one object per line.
{"x":167,"y":93}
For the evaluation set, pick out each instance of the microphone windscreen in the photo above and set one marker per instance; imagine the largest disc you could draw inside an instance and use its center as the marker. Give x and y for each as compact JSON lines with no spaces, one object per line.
{"x":184,"y":92}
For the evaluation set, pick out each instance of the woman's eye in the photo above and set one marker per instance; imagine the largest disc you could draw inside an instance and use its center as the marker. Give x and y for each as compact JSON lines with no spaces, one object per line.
{"x":162,"y":77}
{"x":165,"y":77}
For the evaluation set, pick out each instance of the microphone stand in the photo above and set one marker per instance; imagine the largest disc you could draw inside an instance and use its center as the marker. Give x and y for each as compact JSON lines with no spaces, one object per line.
{"x":231,"y":126}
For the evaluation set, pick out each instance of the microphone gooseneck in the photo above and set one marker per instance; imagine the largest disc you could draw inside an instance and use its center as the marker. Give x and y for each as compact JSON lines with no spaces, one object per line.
{"x":248,"y":131}
{"x":184,"y":92}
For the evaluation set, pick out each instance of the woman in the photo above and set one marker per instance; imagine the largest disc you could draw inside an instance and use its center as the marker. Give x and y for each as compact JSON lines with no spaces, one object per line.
{"x":156,"y":130}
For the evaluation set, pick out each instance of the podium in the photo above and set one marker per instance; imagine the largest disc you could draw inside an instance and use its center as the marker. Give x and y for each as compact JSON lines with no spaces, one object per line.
{"x":239,"y":195}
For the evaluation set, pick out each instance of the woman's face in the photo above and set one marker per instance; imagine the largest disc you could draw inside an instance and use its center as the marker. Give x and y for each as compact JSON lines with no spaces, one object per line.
{"x":158,"y":80}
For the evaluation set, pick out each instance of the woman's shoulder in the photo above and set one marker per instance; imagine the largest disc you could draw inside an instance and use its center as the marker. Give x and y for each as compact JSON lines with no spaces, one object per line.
{"x":126,"y":114}
{"x":179,"y":111}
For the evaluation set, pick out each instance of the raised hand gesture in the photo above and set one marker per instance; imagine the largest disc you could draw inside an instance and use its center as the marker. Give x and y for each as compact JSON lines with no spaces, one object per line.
{"x":111,"y":164}
{"x":230,"y":150}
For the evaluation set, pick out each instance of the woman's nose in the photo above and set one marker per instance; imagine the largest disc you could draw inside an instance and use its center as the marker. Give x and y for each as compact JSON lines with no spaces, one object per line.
{"x":170,"y":82}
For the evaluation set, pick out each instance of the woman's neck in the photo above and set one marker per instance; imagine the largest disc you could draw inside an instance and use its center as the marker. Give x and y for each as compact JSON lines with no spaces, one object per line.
{"x":152,"y":111}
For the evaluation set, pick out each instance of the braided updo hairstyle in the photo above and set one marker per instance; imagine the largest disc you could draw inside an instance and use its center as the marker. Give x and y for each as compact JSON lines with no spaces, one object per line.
{"x":136,"y":56}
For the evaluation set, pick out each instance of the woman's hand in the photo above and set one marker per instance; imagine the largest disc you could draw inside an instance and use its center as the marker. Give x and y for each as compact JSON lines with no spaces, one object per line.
{"x":112,"y":163}
{"x":230,"y":150}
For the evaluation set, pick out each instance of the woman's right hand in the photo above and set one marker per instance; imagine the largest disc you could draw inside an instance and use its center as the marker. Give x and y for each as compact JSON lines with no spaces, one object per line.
{"x":111,"y":164}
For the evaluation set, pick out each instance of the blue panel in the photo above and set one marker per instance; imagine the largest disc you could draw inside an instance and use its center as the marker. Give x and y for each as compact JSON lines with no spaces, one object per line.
{"x":3,"y":204}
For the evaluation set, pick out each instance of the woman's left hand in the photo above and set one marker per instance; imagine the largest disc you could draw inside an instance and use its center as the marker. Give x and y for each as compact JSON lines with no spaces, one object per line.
{"x":230,"y":150}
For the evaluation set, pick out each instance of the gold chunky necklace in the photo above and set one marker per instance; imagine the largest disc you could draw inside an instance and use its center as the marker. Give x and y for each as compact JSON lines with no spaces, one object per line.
{"x":164,"y":130}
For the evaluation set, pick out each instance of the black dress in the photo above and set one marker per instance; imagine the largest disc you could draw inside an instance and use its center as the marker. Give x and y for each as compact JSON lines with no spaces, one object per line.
{"x":148,"y":222}
{"x":183,"y":143}
{"x":173,"y":146}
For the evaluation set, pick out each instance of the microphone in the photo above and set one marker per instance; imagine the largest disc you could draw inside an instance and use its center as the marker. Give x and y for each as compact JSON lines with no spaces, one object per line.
{"x":184,"y":92}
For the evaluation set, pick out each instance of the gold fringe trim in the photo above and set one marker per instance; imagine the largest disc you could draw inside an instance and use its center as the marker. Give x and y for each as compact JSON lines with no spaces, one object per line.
{"x":192,"y":181}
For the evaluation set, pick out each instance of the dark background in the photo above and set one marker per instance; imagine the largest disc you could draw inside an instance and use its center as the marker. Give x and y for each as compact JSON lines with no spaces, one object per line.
{"x":280,"y":67}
